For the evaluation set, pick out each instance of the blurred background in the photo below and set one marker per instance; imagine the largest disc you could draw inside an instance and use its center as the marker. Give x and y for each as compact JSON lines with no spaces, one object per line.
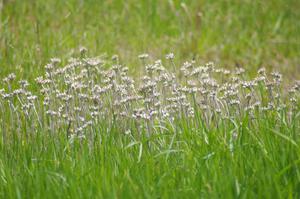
{"x":231,"y":33}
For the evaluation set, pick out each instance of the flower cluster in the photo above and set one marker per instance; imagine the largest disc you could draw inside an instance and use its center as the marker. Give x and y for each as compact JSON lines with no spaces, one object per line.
{"x":77,"y":96}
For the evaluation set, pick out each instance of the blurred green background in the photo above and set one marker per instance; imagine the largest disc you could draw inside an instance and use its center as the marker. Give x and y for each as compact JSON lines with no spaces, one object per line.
{"x":232,"y":33}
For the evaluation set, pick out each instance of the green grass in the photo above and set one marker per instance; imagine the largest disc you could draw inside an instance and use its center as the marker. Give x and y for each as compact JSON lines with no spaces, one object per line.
{"x":190,"y":162}
{"x":261,"y":163}
{"x":248,"y":33}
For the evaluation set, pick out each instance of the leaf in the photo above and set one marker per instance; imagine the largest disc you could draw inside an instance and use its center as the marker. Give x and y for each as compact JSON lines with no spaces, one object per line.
{"x":285,"y":137}
{"x":140,"y":152}
{"x":208,"y":156}
{"x":132,"y":144}
{"x":167,"y":152}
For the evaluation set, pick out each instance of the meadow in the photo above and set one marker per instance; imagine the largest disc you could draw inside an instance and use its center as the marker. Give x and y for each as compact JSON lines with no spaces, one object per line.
{"x":149,"y":99}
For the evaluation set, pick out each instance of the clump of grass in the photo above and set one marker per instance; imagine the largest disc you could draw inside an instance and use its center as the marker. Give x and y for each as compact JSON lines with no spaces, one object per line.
{"x":200,"y":130}
{"x":78,"y":96}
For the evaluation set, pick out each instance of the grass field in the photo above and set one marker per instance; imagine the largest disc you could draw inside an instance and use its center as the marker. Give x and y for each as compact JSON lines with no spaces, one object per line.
{"x":230,"y":134}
